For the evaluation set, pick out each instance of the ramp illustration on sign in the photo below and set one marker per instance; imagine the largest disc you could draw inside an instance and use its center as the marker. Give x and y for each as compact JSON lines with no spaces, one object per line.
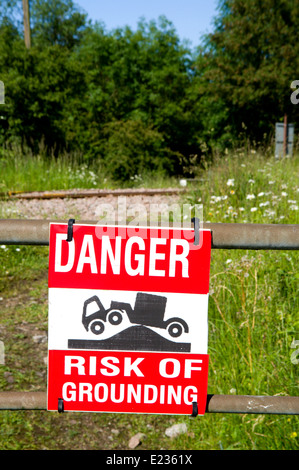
{"x":148,"y":313}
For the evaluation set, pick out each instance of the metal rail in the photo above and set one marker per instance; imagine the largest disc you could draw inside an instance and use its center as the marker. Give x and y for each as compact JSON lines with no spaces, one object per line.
{"x":248,"y":404}
{"x":224,"y":236}
{"x":75,"y":194}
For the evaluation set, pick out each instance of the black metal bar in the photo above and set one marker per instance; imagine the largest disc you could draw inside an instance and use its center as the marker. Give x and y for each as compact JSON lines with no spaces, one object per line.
{"x":224,"y":236}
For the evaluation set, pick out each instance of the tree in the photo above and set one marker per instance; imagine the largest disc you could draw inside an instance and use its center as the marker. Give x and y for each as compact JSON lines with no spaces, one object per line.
{"x":38,"y":80}
{"x":246,"y":66}
{"x":131,"y":149}
{"x":57,"y":22}
{"x":119,"y":96}
{"x":142,"y":76}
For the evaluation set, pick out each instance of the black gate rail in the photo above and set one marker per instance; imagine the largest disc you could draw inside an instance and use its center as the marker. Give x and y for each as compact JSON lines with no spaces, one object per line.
{"x":224,"y":236}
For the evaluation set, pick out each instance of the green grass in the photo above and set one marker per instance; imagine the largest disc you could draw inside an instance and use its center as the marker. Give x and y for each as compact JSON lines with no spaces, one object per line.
{"x":25,"y":172}
{"x":254,"y":302}
{"x":39,"y":173}
{"x":249,"y":188}
{"x":253,"y":322}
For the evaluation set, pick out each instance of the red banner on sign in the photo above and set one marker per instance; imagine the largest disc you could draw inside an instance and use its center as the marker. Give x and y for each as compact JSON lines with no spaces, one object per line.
{"x":128,"y":382}
{"x":112,"y":258}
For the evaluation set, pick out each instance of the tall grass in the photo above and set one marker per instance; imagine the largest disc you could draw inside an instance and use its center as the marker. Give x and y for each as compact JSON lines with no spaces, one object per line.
{"x":26,"y":172}
{"x":254,"y":301}
{"x":249,"y":187}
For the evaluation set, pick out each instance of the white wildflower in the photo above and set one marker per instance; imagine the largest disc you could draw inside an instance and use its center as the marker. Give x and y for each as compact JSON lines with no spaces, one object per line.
{"x":283,"y":193}
{"x":253,"y":209}
{"x":261,"y":194}
{"x":251,"y":181}
{"x":293,"y":207}
{"x":230,"y":182}
{"x":228,"y":261}
{"x":263,"y":204}
{"x":250,"y":196}
{"x":269,"y":213}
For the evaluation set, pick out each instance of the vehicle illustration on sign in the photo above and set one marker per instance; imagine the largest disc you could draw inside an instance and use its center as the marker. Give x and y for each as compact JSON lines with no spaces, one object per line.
{"x":148,"y":311}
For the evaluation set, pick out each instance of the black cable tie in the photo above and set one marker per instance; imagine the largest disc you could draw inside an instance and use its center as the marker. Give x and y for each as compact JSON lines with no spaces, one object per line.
{"x":194,"y":409}
{"x":70,"y":230}
{"x":195,"y":221}
{"x":60,"y":405}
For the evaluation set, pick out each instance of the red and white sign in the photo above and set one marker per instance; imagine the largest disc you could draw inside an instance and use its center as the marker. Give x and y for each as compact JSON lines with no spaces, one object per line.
{"x":128,"y":323}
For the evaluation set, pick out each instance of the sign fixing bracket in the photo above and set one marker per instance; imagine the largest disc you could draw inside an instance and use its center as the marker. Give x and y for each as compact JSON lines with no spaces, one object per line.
{"x":70,"y":230}
{"x":60,"y":405}
{"x":194,"y":409}
{"x":195,"y":221}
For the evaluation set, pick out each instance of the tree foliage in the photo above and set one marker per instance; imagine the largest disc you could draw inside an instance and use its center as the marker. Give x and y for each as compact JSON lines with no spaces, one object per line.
{"x":246,"y":67}
{"x":141,"y":100}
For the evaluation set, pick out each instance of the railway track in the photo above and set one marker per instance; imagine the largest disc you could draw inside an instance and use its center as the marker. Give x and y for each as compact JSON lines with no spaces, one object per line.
{"x":86,"y":204}
{"x":85,"y":193}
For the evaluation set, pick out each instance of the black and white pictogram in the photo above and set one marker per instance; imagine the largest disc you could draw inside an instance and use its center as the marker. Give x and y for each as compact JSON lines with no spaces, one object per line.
{"x":144,"y":325}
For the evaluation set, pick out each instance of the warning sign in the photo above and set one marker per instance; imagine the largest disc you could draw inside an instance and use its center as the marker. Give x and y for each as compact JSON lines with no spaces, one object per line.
{"x":128,"y":319}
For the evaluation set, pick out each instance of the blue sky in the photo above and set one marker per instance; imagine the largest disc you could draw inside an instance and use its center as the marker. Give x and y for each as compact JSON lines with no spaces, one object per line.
{"x":191,"y":18}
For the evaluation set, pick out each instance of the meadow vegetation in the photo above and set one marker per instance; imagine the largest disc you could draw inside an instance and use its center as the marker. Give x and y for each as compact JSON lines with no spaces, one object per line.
{"x":253,"y":324}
